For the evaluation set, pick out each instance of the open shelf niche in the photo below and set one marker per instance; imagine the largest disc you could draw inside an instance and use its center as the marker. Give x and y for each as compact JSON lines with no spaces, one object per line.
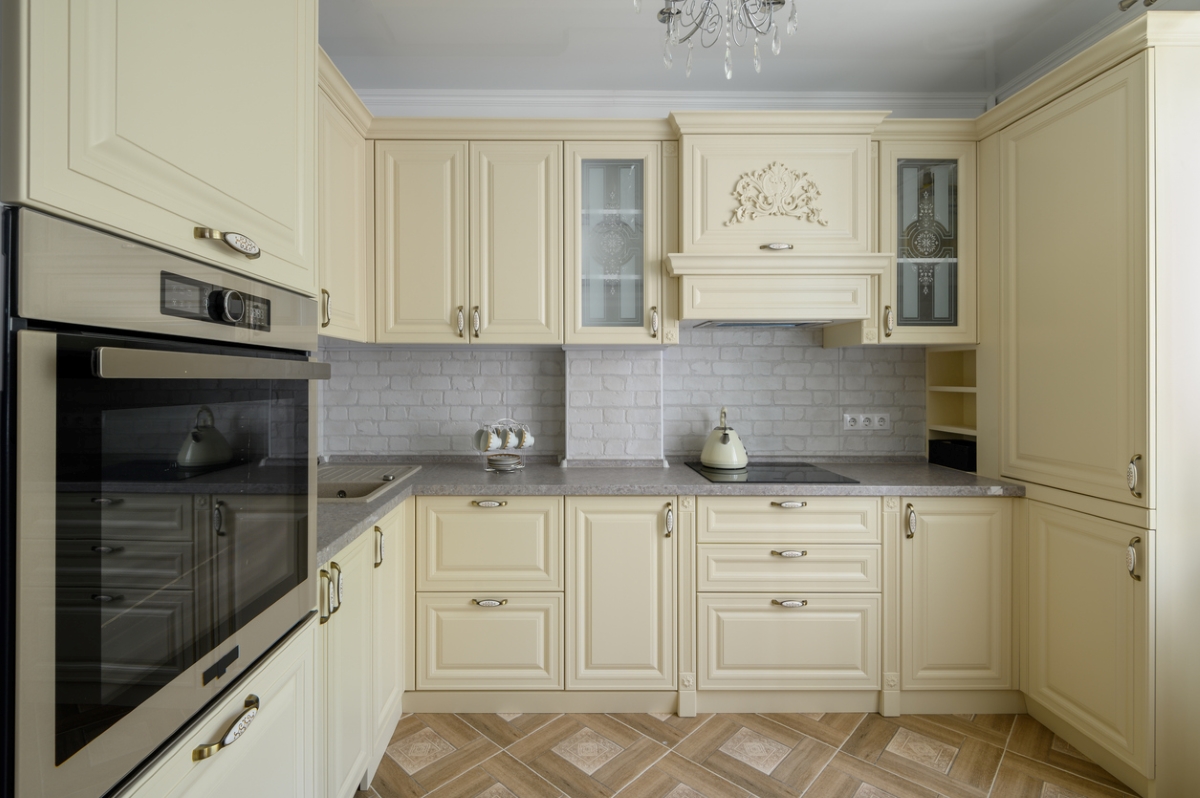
{"x":950,"y":394}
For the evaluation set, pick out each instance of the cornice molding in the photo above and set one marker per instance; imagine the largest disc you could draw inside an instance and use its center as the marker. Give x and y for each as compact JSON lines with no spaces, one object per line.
{"x":341,"y":93}
{"x":521,"y":129}
{"x":925,"y":130}
{"x":688,"y":123}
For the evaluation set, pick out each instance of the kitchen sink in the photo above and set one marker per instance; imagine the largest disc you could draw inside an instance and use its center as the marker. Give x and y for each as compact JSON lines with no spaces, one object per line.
{"x":360,"y":483}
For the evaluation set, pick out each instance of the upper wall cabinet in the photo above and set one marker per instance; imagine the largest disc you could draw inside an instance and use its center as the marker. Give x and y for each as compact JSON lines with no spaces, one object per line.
{"x":614,"y":270}
{"x":161,"y":120}
{"x":797,"y":194}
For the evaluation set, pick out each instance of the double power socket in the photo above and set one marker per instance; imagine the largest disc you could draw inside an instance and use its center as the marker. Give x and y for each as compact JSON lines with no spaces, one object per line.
{"x":867,"y":421}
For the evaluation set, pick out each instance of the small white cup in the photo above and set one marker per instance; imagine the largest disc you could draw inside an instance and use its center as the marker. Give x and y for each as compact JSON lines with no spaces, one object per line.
{"x":487,"y":440}
{"x":524,"y":438}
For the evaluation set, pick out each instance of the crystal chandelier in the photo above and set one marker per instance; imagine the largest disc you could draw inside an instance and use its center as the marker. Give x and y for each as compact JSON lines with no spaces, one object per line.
{"x":706,"y":21}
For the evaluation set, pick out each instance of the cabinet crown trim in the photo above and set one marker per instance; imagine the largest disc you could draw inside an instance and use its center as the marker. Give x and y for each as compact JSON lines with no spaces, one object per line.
{"x":789,"y":123}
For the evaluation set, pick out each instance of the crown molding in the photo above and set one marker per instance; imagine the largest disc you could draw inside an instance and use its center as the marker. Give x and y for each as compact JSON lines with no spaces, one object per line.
{"x":501,"y":129}
{"x":341,"y":93}
{"x":925,"y":130}
{"x":776,"y":122}
{"x":659,"y":104}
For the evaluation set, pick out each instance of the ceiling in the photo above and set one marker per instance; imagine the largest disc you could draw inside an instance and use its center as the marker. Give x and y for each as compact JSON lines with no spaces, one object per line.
{"x":564,"y":57}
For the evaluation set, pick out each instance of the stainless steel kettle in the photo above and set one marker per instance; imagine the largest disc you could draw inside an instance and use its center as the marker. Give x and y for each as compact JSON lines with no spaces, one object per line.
{"x":723,"y":449}
{"x":204,"y":445}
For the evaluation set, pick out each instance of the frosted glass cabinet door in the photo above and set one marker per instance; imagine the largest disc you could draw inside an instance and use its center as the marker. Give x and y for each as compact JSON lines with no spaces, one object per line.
{"x":927,"y":217}
{"x":613,"y":243}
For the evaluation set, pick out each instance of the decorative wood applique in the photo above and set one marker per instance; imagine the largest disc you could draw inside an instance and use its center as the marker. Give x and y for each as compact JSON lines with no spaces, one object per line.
{"x":776,"y":191}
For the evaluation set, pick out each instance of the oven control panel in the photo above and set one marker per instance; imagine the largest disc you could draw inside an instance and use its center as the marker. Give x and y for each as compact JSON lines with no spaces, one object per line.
{"x":192,"y":299}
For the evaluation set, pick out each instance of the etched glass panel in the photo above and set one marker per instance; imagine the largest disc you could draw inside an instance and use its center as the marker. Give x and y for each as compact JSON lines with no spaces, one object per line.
{"x":927,"y":243}
{"x":612,"y":242}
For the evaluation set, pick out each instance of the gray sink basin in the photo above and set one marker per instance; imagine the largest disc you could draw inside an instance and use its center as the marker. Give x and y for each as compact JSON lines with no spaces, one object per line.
{"x":360,"y":483}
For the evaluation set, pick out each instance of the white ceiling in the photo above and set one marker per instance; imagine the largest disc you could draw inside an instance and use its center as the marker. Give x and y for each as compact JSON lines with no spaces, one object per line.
{"x":559,"y":57}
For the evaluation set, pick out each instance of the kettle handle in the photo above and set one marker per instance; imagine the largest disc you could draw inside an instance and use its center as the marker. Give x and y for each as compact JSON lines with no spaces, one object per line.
{"x":205,"y":410}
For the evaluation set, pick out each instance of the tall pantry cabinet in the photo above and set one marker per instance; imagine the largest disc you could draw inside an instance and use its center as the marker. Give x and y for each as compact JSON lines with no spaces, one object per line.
{"x":1089,"y":184}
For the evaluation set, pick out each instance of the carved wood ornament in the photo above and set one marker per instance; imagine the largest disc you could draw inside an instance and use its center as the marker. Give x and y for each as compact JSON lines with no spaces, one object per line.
{"x":776,"y":191}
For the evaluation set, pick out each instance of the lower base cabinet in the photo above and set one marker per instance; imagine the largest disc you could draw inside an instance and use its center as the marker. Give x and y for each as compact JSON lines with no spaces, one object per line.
{"x":276,"y":757}
{"x":1090,"y":616}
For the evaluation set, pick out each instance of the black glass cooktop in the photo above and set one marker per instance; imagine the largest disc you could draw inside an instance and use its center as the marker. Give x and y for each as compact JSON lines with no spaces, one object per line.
{"x":777,"y":473}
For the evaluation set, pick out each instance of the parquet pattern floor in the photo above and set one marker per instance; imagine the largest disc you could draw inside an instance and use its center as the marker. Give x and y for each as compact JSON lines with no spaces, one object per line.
{"x":734,"y":756}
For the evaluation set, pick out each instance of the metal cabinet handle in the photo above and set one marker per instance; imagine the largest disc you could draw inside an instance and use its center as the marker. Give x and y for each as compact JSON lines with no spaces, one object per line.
{"x":108,"y":549}
{"x":489,"y":602}
{"x":776,"y":247}
{"x":233,"y":733}
{"x":475,"y":320}
{"x":910,"y":522}
{"x":378,"y":547}
{"x":327,"y":582}
{"x":328,"y":308}
{"x":789,"y":505}
{"x":1131,"y":559}
{"x":218,"y":519}
{"x":1133,"y":477}
{"x":790,"y":604}
{"x":489,"y":503}
{"x":238,"y":242}
{"x":790,"y":553}
{"x":654,"y":322}
{"x":336,"y":587}
{"x":889,"y":321}
{"x":462,"y":322}
{"x":670,"y":521}
{"x":105,"y":598}
{"x":106,"y":502}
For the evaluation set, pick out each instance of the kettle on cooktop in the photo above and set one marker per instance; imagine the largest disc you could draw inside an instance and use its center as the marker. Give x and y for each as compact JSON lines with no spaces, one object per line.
{"x":723,"y":449}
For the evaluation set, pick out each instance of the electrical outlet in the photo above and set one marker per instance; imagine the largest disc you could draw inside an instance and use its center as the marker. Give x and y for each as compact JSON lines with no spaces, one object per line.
{"x":867,"y":421}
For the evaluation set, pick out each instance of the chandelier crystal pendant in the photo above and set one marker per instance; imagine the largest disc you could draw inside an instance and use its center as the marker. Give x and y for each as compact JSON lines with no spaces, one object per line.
{"x":740,"y":21}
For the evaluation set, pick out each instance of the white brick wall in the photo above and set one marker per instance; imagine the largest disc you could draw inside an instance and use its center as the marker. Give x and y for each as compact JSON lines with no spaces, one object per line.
{"x":614,"y":404}
{"x":786,"y":394}
{"x":393,"y":400}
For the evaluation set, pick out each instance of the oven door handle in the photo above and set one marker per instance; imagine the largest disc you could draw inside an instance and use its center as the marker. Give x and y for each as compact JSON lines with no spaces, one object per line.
{"x":111,"y":362}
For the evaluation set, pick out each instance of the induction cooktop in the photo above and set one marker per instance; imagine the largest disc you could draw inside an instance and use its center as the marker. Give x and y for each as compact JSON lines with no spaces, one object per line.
{"x":776,"y":473}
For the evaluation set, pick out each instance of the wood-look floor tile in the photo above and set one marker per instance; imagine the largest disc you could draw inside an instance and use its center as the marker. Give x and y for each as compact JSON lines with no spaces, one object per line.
{"x":499,"y":777}
{"x":1034,"y":741}
{"x":847,"y":777}
{"x":992,"y":729}
{"x":871,"y":737}
{"x":392,"y":782}
{"x":504,"y":730}
{"x":451,"y":728}
{"x":1020,"y":777}
{"x":677,"y":777}
{"x":670,"y":730}
{"x":459,"y":762}
{"x":831,"y":728}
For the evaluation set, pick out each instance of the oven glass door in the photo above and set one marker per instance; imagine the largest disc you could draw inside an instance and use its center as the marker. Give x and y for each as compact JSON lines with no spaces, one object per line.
{"x":181,"y":513}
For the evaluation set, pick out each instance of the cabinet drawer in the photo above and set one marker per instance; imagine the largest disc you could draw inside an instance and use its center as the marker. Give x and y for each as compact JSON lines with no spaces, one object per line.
{"x":764,"y":519}
{"x":126,"y":564}
{"x":748,"y":643}
{"x":515,"y":546}
{"x":125,"y":517}
{"x":463,"y":646}
{"x":773,"y":568}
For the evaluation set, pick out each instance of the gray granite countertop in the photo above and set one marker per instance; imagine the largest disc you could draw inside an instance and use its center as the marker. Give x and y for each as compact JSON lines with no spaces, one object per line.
{"x":340,"y":524}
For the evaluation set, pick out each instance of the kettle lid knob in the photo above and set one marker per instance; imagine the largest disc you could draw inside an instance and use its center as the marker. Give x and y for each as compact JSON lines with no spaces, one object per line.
{"x":723,"y":424}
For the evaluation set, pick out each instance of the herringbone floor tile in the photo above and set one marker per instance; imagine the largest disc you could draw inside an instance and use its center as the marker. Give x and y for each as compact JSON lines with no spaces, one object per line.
{"x":830,"y":755}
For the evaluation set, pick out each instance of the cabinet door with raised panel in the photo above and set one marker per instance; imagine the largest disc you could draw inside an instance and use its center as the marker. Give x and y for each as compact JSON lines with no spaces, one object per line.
{"x":1075,"y":357}
{"x":347,"y":657}
{"x":516,"y":242}
{"x":956,"y":594}
{"x":1090,"y":620}
{"x":346,"y":249}
{"x":421,"y":289}
{"x":614,"y":264}
{"x":389,"y":607}
{"x":620,"y":593}
{"x":153,"y":119}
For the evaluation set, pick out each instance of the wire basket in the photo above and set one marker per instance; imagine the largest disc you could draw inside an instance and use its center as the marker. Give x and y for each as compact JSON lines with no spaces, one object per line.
{"x":503,"y":444}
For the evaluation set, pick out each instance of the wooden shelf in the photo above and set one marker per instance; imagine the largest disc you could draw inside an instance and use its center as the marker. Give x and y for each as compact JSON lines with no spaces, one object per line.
{"x":953,"y":388}
{"x":949,"y":428}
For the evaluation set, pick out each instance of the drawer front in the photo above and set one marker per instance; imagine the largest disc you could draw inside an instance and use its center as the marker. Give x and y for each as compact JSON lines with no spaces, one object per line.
{"x":755,"y":569}
{"x":126,"y":564}
{"x":130,"y":516}
{"x":785,"y":520}
{"x":748,"y":643}
{"x":464,"y":546}
{"x":463,"y":646}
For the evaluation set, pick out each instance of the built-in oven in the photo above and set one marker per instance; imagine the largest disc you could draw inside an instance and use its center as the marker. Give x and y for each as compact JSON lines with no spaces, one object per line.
{"x":164,"y":487}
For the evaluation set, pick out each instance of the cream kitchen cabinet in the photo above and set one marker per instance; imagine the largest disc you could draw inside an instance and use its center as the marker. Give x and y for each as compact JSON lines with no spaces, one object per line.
{"x":1075,"y":310}
{"x":390,"y":609}
{"x":116,"y":124}
{"x":1091,"y":614}
{"x":346,"y":253}
{"x":621,"y":593}
{"x":790,"y":521}
{"x":347,"y":667}
{"x":956,"y":622}
{"x":275,"y":757}
{"x":613,"y":288}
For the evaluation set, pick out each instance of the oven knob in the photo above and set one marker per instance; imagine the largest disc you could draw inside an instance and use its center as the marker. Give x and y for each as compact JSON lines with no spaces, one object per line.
{"x":233,"y":307}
